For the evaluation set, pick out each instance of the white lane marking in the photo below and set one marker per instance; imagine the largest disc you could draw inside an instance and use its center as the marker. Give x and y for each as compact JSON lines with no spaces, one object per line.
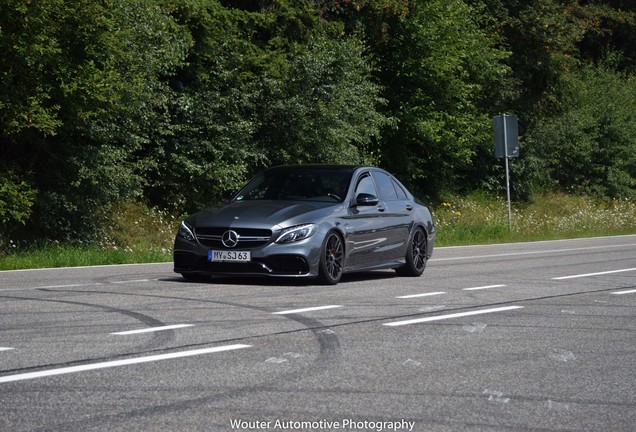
{"x":68,"y":286}
{"x":138,"y":360}
{"x":72,"y":285}
{"x":572,"y":240}
{"x":421,"y":295}
{"x":483,"y":287}
{"x":511,"y":254}
{"x":51,"y":287}
{"x":16,"y":289}
{"x":449,"y":316}
{"x":6,"y":348}
{"x":131,"y":281}
{"x":624,"y":292}
{"x":594,"y":274}
{"x":310,"y":309}
{"x":153,"y":329}
{"x":87,"y":267}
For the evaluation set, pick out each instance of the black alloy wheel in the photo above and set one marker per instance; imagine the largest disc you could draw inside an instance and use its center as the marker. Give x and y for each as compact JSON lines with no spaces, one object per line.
{"x":415,"y":255}
{"x":331,"y":260}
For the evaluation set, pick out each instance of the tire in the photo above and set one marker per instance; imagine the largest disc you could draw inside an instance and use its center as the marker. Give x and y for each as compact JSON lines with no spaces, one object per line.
{"x":331,"y":259}
{"x":415,"y":255}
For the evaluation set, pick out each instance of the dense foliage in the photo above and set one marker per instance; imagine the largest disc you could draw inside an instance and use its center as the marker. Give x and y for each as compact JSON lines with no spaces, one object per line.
{"x":173,"y":103}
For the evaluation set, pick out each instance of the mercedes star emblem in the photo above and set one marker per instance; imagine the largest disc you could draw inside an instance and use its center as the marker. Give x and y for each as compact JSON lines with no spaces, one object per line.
{"x":230,"y":239}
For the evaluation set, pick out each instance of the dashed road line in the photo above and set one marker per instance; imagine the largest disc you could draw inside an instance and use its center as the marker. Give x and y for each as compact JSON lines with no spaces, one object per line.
{"x":449,"y":316}
{"x":594,"y":274}
{"x":309,"y":309}
{"x":421,"y":295}
{"x":152,"y":329}
{"x":67,"y":286}
{"x":624,"y":292}
{"x":131,"y":281}
{"x":483,"y":287}
{"x":6,"y":348}
{"x":116,"y":363}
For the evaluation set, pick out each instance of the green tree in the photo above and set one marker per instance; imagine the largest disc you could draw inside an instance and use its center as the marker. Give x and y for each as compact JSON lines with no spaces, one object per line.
{"x":549,"y":40}
{"x":436,"y":64}
{"x":589,"y":146}
{"x":264,"y":83}
{"x":610,"y":33}
{"x":16,"y":199}
{"x":80,"y":88}
{"x":324,"y":106}
{"x":204,"y":148}
{"x":542,"y":38}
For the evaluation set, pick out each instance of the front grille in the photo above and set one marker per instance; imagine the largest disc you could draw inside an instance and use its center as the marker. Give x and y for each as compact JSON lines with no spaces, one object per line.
{"x":287,"y":264}
{"x":274,"y":265}
{"x":283,"y":265}
{"x":249,"y":238}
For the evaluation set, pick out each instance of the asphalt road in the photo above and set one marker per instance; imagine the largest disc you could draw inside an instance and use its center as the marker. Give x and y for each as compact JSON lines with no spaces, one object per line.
{"x":520,"y":337}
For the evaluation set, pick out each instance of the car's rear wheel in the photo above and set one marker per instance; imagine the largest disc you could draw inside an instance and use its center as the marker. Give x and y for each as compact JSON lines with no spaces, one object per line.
{"x":415,"y":255}
{"x":331,"y":259}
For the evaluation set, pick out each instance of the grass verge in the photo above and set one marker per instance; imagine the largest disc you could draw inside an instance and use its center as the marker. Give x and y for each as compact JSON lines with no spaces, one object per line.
{"x":132,"y":234}
{"x":49,"y":256}
{"x":136,"y":234}
{"x":480,"y":219}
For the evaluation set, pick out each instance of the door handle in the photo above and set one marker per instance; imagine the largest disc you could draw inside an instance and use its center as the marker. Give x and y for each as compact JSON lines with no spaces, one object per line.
{"x":409,"y":207}
{"x":381,"y":208}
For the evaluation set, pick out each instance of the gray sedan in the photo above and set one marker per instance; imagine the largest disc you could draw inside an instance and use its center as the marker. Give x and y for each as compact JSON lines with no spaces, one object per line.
{"x":309,"y":221}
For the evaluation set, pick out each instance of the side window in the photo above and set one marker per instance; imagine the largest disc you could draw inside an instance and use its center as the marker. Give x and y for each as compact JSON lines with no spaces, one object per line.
{"x":387,"y":191}
{"x":365,"y":185}
{"x":399,"y":190}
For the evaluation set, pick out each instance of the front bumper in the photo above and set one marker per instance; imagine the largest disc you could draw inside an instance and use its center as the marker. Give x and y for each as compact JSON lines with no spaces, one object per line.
{"x":298,"y":259}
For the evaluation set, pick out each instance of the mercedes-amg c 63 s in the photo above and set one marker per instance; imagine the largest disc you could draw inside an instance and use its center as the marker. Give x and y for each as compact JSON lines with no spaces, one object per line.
{"x":312,"y":221}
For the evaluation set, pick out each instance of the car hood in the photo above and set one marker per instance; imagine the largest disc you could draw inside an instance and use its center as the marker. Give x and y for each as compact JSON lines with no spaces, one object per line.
{"x":263,"y":214}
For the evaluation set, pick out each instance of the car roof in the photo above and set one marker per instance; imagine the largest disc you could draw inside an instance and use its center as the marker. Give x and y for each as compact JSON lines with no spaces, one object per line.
{"x":313,"y":166}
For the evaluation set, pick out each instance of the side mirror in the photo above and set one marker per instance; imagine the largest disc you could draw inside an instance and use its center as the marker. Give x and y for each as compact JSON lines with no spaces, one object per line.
{"x":365,"y":199}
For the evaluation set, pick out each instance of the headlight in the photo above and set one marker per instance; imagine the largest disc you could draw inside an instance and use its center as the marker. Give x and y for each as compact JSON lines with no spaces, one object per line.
{"x":186,"y":232}
{"x":295,"y":233}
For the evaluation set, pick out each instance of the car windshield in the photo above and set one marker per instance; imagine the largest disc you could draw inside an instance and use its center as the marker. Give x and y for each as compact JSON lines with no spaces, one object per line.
{"x":313,"y":184}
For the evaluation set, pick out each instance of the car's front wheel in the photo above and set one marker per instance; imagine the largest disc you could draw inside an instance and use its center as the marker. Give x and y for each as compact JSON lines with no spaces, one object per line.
{"x":415,"y":255}
{"x":331,"y":259}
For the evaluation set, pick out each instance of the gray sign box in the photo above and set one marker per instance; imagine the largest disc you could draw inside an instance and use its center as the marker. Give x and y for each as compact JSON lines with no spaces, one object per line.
{"x":506,"y":131}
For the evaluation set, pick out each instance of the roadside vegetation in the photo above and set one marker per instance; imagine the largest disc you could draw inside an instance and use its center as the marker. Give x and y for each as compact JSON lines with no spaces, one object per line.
{"x":130,"y":233}
{"x":480,"y":219}
{"x":136,"y":234}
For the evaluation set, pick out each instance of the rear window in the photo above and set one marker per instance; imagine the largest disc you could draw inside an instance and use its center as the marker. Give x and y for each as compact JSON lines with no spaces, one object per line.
{"x":385,"y":186}
{"x":399,"y":189}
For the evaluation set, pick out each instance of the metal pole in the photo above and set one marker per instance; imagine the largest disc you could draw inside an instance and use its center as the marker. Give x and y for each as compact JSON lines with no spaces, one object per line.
{"x":507,"y":172}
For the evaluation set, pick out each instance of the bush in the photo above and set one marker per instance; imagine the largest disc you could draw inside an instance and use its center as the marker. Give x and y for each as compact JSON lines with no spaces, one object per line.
{"x":589,"y":146}
{"x":16,"y":199}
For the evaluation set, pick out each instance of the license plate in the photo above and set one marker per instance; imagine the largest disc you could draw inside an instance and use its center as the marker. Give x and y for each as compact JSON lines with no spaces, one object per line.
{"x":232,"y":256}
